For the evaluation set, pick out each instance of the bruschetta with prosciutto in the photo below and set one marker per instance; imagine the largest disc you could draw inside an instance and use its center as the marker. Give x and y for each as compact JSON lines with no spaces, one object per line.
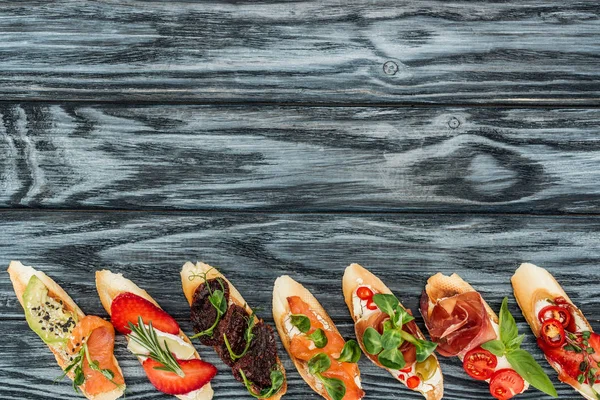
{"x":169,"y":359}
{"x":323,"y":358}
{"x":377,"y":313}
{"x":464,"y":326}
{"x":563,"y":333}
{"x":223,"y":320}
{"x":82,"y":345}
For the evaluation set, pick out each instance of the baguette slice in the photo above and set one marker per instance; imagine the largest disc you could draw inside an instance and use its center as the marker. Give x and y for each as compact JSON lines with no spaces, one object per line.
{"x":189,"y":270}
{"x":284,"y":288}
{"x":532,"y":284}
{"x":355,"y":276}
{"x":20,"y":276}
{"x":110,"y":285}
{"x":440,"y":286}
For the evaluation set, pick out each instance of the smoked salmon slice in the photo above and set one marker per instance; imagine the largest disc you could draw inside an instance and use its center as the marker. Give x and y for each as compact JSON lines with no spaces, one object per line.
{"x":99,"y":335}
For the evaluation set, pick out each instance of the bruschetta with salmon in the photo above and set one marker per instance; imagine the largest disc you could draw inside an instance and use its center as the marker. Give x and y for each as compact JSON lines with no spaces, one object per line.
{"x":169,"y":359}
{"x":223,"y":320}
{"x":463,"y":325}
{"x":323,"y":358}
{"x":82,"y":345}
{"x":564,"y":335}
{"x":377,"y":313}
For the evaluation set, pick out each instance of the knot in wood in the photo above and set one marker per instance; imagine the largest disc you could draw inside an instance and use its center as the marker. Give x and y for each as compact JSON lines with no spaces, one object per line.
{"x":390,"y":68}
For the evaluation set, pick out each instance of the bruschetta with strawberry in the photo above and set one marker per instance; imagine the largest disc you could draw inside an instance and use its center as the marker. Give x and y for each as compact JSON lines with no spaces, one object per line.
{"x":563,"y":333}
{"x":378,"y":314}
{"x":463,"y":325}
{"x":322,"y":357}
{"x":169,"y":359}
{"x":82,"y":345}
{"x":223,"y":320}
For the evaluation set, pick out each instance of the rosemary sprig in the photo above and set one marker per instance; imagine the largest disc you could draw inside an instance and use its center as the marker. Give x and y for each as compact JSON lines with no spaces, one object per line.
{"x":147,"y":338}
{"x":248,"y":335}
{"x":77,"y":367}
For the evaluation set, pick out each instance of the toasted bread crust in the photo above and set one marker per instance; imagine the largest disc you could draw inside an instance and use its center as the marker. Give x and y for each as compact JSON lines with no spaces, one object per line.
{"x":354,"y":274}
{"x":532,"y":284}
{"x":110,"y":285}
{"x":284,"y":288}
{"x":190,"y":282}
{"x":20,"y":276}
{"x":440,"y":286}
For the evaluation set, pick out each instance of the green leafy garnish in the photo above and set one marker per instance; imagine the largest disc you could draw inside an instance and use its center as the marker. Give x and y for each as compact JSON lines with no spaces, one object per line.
{"x":523,"y":363}
{"x":77,"y":367}
{"x":248,"y":336}
{"x":334,"y":387}
{"x":216,"y":299}
{"x":147,"y":338}
{"x":301,"y":322}
{"x":319,"y":338}
{"x":386,"y":346}
{"x":350,"y":353}
{"x":276,"y":384}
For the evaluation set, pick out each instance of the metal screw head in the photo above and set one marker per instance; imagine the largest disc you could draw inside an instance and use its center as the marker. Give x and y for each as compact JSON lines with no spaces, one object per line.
{"x":454,"y":123}
{"x":390,"y":68}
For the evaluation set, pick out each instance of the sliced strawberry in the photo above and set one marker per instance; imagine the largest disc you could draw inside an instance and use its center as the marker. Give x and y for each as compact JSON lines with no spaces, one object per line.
{"x":197,"y":374}
{"x":127,"y":307}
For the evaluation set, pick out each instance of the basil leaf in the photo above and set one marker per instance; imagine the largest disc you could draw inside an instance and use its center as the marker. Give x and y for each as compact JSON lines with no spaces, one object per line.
{"x":391,"y":339}
{"x":372,"y":341}
{"x":515,"y":343}
{"x":530,"y":370}
{"x":508,"y":326}
{"x":319,"y":363}
{"x":319,"y":338}
{"x":386,"y":303}
{"x":301,"y":322}
{"x":424,"y":349}
{"x":496,"y":347}
{"x":392,"y":359}
{"x":335,"y":387}
{"x":350,"y":353}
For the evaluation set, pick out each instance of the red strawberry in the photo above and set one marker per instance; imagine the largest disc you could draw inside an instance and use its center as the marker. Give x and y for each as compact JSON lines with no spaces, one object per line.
{"x":127,"y":307}
{"x":197,"y":374}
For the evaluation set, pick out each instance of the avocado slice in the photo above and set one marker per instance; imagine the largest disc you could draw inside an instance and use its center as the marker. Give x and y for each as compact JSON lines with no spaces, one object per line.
{"x":46,"y":316}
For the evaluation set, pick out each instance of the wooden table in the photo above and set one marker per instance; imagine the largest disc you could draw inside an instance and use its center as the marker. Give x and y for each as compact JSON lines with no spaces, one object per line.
{"x":295,"y":138}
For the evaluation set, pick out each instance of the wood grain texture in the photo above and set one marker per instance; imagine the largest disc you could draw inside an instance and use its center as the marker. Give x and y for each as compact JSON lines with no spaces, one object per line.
{"x":253,"y":249}
{"x":299,"y":158}
{"x":302,"y":51}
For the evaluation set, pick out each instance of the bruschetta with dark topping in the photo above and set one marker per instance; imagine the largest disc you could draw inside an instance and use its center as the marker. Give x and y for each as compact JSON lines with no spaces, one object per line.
{"x":563,"y":333}
{"x":377,"y":313}
{"x":222,"y":319}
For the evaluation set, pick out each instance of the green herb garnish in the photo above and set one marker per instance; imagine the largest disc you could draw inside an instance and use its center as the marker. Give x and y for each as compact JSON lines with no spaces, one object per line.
{"x":350,"y":353}
{"x":386,"y":345}
{"x":216,"y":299}
{"x":147,"y":338}
{"x":334,"y":387}
{"x":302,"y":322}
{"x":276,"y":384}
{"x":248,"y":336}
{"x":523,"y":363}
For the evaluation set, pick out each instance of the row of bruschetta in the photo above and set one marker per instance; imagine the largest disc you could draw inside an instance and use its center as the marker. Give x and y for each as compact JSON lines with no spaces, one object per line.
{"x":459,"y":321}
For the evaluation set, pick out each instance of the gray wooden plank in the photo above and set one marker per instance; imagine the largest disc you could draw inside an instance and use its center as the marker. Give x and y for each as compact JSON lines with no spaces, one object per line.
{"x":189,"y":157}
{"x":253,"y":249}
{"x":307,"y":51}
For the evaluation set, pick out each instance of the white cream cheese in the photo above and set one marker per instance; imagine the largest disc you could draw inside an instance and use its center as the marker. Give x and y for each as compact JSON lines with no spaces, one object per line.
{"x":360,"y":306}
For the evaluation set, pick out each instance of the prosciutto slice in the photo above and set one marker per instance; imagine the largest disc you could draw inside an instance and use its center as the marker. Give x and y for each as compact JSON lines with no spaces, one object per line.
{"x":458,"y":323}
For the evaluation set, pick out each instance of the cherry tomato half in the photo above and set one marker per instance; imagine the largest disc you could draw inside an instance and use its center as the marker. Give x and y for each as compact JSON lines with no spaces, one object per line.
{"x":506,"y":384}
{"x":553,"y":333}
{"x":413,"y":382}
{"x":555,"y":312}
{"x":364,"y":293}
{"x":480,"y":363}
